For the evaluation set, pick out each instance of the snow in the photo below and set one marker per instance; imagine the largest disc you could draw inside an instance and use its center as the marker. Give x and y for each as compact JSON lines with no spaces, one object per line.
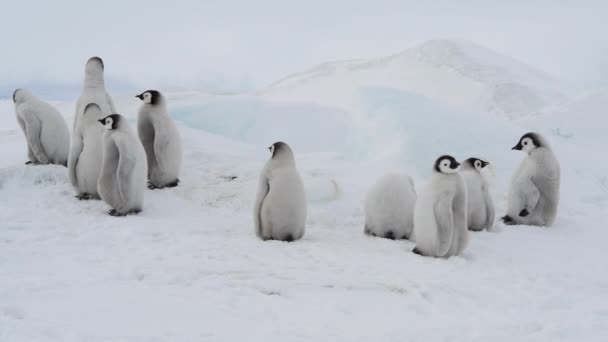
{"x":453,"y":72}
{"x":189,"y":267}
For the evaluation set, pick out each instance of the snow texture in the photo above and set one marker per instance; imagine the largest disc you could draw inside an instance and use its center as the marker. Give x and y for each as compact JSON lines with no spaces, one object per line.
{"x":189,"y":267}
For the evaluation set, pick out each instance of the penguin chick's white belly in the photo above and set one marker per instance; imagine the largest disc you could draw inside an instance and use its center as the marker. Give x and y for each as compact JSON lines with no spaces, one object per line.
{"x":425,"y":225}
{"x":89,"y":161}
{"x":284,"y":209}
{"x":108,"y":181}
{"x":389,"y":207}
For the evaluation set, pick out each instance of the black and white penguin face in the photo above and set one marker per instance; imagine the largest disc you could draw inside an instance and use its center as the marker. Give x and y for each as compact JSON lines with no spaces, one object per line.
{"x":477,"y":163}
{"x":446,"y":164}
{"x":528,"y":142}
{"x":149,"y":96}
{"x":110,"y":122}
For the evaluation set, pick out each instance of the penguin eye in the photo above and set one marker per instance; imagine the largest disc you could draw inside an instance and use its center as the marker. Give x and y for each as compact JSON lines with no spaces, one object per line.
{"x":525,"y":143}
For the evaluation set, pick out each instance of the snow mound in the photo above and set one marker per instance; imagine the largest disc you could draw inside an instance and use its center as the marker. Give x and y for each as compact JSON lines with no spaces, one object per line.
{"x":453,"y":72}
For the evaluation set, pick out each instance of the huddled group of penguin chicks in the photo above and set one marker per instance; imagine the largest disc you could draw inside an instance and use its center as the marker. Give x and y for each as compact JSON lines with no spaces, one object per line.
{"x":115,"y":166}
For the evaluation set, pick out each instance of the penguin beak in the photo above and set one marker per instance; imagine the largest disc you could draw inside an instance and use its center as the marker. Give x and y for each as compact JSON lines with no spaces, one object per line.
{"x":102,"y":121}
{"x":517,"y":147}
{"x":455,"y":165}
{"x":140,"y":96}
{"x":484,"y":164}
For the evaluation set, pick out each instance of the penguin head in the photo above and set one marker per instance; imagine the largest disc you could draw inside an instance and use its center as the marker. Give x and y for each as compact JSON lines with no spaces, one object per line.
{"x":446,"y":164}
{"x":476,"y":163}
{"x":94,"y":65}
{"x":528,"y":142}
{"x":152,"y":97}
{"x":21,"y":95}
{"x":280,"y":151}
{"x":111,"y":122}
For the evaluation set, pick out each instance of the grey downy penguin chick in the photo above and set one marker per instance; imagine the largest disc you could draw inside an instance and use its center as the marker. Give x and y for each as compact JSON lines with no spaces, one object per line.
{"x":161,"y":140}
{"x":440,"y":217}
{"x":534,"y":192}
{"x":389,"y":207}
{"x":480,"y":207}
{"x":46,"y":133}
{"x":280,"y":204}
{"x":122,"y":180}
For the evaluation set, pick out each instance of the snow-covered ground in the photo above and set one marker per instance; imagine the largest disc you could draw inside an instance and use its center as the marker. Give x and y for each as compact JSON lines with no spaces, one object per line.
{"x":189,"y":267}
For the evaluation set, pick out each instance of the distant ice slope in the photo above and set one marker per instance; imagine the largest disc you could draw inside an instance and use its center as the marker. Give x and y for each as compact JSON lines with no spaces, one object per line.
{"x":452,"y":72}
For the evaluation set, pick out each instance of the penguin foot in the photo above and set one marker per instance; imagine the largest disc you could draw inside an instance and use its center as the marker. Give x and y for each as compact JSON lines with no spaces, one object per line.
{"x":288,"y":238}
{"x":390,"y":235}
{"x":152,"y":186}
{"x":366,"y":230}
{"x":115,"y":213}
{"x":417,"y":251}
{"x":172,"y":184}
{"x":31,"y":162}
{"x":524,"y":213}
{"x":508,"y":220}
{"x":404,"y":237}
{"x":84,"y":196}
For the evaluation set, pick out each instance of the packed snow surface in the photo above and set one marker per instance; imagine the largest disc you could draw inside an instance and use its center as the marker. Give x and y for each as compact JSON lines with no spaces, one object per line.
{"x":189,"y":267}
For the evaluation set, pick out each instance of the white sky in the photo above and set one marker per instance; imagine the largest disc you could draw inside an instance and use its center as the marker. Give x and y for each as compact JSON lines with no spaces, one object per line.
{"x":236,"y":44}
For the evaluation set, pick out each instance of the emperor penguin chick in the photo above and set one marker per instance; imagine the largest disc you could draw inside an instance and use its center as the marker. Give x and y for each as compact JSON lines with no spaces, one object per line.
{"x":161,"y":140}
{"x":122,"y":180}
{"x":86,"y":137}
{"x":46,"y":133}
{"x":389,"y":207}
{"x":93,"y":91}
{"x":84,"y":162}
{"x":534,"y":191}
{"x":440,"y":217}
{"x":280,"y":205}
{"x":480,"y":207}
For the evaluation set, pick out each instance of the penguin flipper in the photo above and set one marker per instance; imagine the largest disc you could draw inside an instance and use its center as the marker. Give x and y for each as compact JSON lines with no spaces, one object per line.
{"x":445,"y":225}
{"x":263,"y":189}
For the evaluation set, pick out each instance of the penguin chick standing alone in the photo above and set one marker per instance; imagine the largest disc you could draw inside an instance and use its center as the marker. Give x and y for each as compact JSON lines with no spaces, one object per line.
{"x":160,"y":139}
{"x":534,"y":192}
{"x":480,"y":207}
{"x":440,"y":217}
{"x":389,"y":207}
{"x":122,"y":180}
{"x":280,"y":205}
{"x":47,"y":134}
{"x":86,"y":154}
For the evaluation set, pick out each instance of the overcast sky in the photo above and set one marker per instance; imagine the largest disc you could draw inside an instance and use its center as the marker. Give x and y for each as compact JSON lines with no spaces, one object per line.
{"x":236,"y":45}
